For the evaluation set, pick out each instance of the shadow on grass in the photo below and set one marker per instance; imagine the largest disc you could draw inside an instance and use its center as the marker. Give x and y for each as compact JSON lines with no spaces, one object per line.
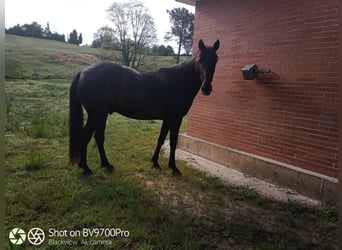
{"x":65,"y":200}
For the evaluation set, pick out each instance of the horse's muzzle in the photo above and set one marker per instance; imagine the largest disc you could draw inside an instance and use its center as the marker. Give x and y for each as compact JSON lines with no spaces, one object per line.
{"x":205,"y":93}
{"x":206,"y":89}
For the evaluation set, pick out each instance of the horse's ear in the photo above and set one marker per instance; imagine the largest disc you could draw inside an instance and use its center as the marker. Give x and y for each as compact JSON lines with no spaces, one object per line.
{"x":216,"y":45}
{"x":201,"y":45}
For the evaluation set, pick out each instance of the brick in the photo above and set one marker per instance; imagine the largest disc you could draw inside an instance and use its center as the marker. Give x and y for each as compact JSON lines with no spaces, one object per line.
{"x":290,"y":115}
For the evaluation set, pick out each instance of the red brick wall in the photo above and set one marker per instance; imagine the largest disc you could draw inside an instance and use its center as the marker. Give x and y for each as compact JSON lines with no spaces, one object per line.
{"x":289,"y":115}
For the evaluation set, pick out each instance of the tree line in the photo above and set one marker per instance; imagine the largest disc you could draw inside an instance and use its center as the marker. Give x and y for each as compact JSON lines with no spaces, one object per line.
{"x":132,"y":32}
{"x":37,"y":31}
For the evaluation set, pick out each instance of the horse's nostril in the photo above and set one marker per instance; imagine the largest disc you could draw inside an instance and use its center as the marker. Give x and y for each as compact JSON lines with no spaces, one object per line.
{"x":206,"y":91}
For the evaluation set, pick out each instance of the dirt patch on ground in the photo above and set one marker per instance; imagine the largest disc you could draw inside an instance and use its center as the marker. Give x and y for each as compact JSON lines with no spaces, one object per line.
{"x":76,"y":58}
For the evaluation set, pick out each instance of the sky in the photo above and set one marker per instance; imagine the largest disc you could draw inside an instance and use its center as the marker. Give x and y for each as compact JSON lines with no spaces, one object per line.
{"x":86,"y":16}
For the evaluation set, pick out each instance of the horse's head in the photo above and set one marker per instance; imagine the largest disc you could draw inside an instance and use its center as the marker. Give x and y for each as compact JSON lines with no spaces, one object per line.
{"x":206,"y":65}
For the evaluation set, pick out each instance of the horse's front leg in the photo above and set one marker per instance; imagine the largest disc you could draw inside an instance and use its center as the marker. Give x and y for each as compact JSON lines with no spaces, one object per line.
{"x":162,"y":135}
{"x":174,"y":131}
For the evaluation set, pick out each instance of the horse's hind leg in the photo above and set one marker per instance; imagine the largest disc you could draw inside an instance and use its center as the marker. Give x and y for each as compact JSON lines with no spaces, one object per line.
{"x":87,"y":133}
{"x":162,"y":135}
{"x":100,"y":137}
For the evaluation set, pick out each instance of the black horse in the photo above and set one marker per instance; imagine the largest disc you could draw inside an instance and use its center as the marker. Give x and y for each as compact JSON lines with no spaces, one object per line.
{"x":166,"y":95}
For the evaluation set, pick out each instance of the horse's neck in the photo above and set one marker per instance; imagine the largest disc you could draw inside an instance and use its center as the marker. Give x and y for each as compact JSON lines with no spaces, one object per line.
{"x":188,"y":77}
{"x":188,"y":64}
{"x":191,"y":71}
{"x":185,"y":74}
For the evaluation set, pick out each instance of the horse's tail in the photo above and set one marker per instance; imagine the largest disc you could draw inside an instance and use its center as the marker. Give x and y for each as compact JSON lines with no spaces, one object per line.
{"x":75,"y":123}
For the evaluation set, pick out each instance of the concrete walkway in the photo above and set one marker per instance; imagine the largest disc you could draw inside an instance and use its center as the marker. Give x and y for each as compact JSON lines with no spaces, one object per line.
{"x":233,"y":177}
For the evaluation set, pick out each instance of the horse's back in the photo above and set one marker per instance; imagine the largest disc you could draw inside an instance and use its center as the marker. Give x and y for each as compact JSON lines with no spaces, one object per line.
{"x":104,"y":72}
{"x":108,"y":87}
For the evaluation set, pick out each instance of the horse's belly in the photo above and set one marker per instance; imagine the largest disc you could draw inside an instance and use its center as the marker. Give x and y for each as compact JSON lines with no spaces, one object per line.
{"x":142,"y":111}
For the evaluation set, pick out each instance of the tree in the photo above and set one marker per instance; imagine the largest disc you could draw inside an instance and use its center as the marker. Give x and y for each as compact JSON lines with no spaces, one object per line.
{"x":47,"y":32}
{"x":182,"y":28}
{"x":16,"y":30}
{"x":105,"y":38}
{"x":169,"y":51}
{"x":161,"y":50}
{"x":58,"y":37}
{"x":33,"y":30}
{"x":134,"y":29}
{"x":80,"y":39}
{"x":73,"y":37}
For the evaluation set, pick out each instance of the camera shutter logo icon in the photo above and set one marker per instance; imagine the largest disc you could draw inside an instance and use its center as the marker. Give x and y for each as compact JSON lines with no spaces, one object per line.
{"x":17,"y":236}
{"x":36,"y":236}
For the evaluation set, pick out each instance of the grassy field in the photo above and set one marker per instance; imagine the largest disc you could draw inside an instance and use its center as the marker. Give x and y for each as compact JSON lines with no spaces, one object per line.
{"x":28,"y":58}
{"x":157,"y":210}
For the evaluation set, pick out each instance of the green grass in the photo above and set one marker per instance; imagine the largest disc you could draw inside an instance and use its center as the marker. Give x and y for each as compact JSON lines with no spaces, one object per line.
{"x":31,"y":58}
{"x":159,"y":211}
{"x":26,"y":57}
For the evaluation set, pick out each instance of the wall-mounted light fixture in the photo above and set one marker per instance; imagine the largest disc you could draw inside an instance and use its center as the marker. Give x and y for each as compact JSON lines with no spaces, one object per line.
{"x":250,"y":71}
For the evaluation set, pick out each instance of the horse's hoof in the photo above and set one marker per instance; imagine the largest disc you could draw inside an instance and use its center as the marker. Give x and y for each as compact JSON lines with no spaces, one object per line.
{"x":176,"y":172}
{"x":87,"y":172}
{"x":156,"y":166}
{"x":109,"y":167}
